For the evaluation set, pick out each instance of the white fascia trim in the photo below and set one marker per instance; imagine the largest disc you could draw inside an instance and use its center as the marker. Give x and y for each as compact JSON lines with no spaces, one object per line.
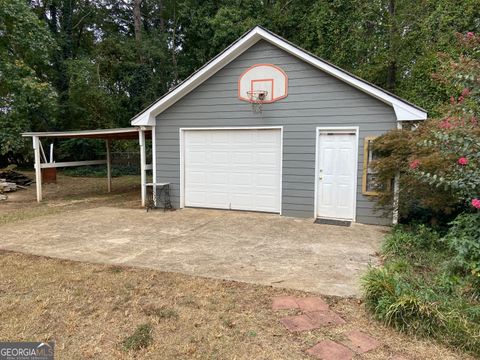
{"x":403,"y":111}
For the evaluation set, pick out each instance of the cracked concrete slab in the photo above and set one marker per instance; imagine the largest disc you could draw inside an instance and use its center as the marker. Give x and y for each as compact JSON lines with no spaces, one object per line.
{"x":257,"y":248}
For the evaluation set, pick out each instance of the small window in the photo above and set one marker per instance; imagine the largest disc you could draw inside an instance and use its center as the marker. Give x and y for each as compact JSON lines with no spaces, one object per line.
{"x":371,"y":185}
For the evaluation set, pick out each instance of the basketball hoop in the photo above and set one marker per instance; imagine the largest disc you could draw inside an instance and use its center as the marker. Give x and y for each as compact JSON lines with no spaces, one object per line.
{"x":257,"y":98}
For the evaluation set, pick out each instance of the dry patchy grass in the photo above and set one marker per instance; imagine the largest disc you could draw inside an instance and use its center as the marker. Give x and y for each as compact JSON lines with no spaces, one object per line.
{"x":69,"y":194}
{"x":91,"y":310}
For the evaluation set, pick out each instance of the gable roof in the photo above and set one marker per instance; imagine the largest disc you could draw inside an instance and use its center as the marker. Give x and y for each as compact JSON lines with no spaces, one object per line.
{"x":404,"y":110}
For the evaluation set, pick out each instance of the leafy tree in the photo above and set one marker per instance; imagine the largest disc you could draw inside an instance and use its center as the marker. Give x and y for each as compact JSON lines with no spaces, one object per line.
{"x":442,"y":153}
{"x":27,"y":98}
{"x":102,"y":61}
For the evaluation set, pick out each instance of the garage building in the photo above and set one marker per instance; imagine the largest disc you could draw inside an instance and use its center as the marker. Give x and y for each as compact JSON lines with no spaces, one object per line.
{"x":267,"y":126}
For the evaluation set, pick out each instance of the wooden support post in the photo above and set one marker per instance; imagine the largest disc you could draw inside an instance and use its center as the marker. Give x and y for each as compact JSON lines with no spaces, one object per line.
{"x":109,"y":168}
{"x":38,"y":169}
{"x":143,"y":160}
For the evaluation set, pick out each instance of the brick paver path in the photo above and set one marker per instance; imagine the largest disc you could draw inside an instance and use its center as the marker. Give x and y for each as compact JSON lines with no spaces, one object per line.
{"x":316,"y":314}
{"x":330,"y":350}
{"x":360,"y":342}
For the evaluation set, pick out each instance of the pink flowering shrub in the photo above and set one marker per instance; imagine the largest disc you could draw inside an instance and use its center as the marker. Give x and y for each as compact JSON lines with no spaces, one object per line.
{"x":460,"y":177}
{"x":414,"y":164}
{"x":438,"y":159}
{"x":456,"y":139}
{"x":476,"y":203}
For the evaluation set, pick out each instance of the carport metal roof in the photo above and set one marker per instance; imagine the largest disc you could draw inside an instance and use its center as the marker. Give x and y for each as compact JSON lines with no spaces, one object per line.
{"x":130,"y":133}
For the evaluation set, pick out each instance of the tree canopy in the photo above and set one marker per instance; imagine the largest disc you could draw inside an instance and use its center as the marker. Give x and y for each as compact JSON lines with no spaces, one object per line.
{"x":79,"y":64}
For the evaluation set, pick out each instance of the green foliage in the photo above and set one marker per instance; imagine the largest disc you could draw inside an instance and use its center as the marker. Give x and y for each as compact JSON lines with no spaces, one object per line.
{"x":141,"y":338}
{"x":410,"y":244}
{"x":464,"y":239}
{"x":100,"y":171}
{"x":82,"y":65}
{"x":441,"y":154}
{"x":79,"y":149}
{"x":462,"y":180}
{"x":423,"y":287}
{"x":27,"y":99}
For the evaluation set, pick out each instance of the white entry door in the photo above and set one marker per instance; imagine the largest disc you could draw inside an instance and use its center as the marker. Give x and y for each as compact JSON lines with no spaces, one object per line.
{"x":337,"y":162}
{"x":236,"y":169}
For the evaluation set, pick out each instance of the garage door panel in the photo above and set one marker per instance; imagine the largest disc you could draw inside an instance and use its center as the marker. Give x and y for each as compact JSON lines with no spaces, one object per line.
{"x":241,"y":201}
{"x":195,"y":138}
{"x":266,"y":201}
{"x":241,"y":179}
{"x":240,"y":137}
{"x":237,"y":169}
{"x":267,"y":158}
{"x":266,"y":180}
{"x":243,"y":157}
{"x":197,"y":177}
{"x":217,"y":137}
{"x":216,"y":179}
{"x":197,"y":197}
{"x":198,"y":157}
{"x":219,"y":157}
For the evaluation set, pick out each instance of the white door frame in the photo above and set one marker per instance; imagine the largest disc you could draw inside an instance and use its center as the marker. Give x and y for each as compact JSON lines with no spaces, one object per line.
{"x":339,"y":130}
{"x":182,"y":154}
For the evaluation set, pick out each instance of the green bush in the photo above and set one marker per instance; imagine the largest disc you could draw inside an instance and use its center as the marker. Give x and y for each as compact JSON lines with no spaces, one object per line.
{"x":426,"y":285}
{"x":464,"y":239}
{"x":100,"y":171}
{"x":410,"y":243}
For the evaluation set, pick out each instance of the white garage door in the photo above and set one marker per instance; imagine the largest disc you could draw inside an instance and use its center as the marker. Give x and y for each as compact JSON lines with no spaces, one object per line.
{"x":233,"y":169}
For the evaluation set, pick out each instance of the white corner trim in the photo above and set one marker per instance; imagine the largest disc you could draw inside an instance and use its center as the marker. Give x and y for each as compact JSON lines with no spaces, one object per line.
{"x":403,"y":110}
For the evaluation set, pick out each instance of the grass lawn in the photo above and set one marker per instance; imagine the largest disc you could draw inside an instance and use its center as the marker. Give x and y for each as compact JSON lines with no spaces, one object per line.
{"x":110,"y":312}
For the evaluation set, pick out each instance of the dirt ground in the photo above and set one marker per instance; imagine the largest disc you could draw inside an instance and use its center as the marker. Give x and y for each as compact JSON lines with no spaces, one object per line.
{"x":90,"y":309}
{"x":69,"y":193}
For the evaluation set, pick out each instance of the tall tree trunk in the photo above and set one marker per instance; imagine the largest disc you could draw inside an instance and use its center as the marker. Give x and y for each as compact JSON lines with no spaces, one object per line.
{"x":392,"y":63}
{"x":137,"y":19}
{"x":162,"y":20}
{"x":174,"y":45}
{"x":53,"y":21}
{"x":67,"y":25}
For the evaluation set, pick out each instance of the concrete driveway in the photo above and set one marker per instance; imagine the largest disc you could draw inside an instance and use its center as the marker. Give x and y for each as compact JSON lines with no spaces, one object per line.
{"x":251,"y":247}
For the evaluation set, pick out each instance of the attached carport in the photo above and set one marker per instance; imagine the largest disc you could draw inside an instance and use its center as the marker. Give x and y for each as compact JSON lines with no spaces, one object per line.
{"x":133,"y":133}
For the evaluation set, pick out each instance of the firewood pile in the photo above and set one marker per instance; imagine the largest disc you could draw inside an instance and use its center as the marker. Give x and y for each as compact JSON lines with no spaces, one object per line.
{"x":12,"y":181}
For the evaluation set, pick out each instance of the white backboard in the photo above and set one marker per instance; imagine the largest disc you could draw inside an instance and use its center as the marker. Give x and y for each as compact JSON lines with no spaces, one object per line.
{"x":263,"y":77}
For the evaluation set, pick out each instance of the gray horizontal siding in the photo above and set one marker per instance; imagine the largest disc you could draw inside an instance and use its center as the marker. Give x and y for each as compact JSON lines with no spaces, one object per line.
{"x":314,"y":99}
